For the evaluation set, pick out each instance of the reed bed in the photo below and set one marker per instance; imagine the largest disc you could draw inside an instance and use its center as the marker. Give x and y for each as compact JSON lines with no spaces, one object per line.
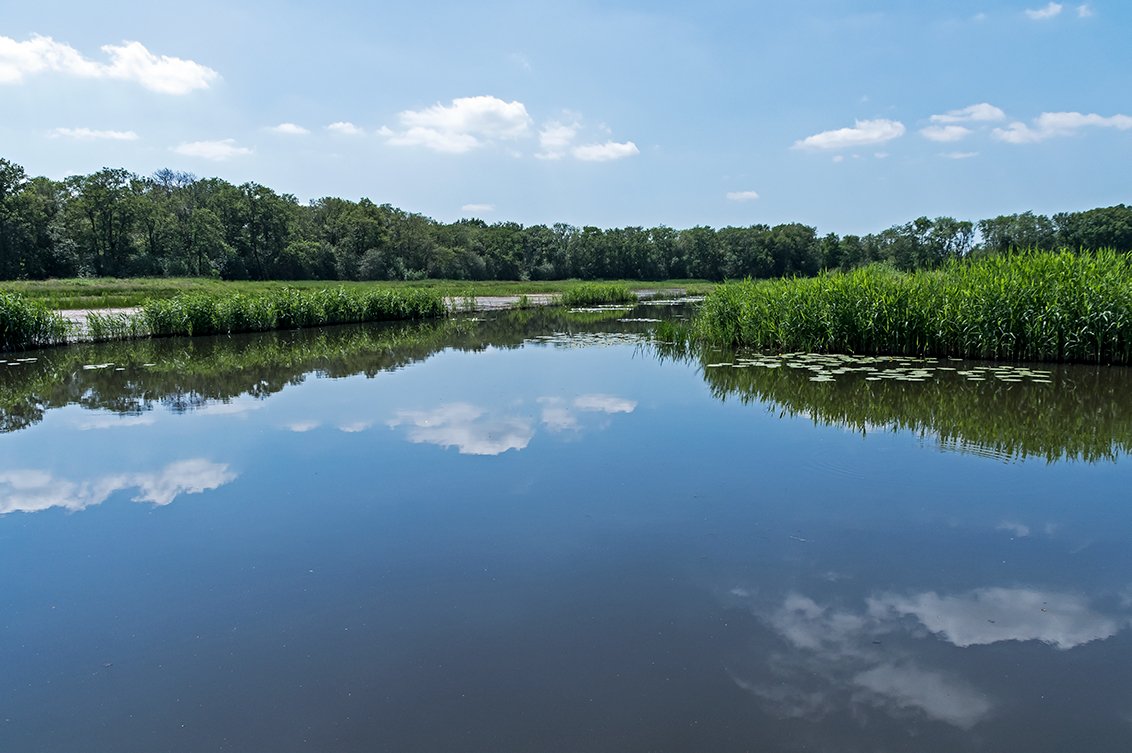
{"x":290,"y":308}
{"x":1033,"y":306}
{"x":591,"y":293}
{"x":28,"y":324}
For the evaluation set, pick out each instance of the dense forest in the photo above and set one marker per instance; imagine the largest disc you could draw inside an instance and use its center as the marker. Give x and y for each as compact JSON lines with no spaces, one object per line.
{"x":118,"y":224}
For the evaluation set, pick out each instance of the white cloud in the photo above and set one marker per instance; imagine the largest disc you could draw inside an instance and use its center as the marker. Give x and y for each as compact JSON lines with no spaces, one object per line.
{"x":605,"y":404}
{"x":1050,"y":124}
{"x":1018,"y":529}
{"x":470,"y":122}
{"x":478,"y":208}
{"x":240,"y":407}
{"x":130,"y":61}
{"x":742,"y":195}
{"x":217,"y":151}
{"x":32,"y":490}
{"x":555,"y":139}
{"x":945,"y":133}
{"x":290,"y":128}
{"x":556,"y":415}
{"x":467,"y":428}
{"x":990,"y":615}
{"x":356,"y":426}
{"x":864,"y":132}
{"x":959,"y":155}
{"x":610,"y":150}
{"x":1084,"y":11}
{"x":343,"y":127}
{"x":982,"y":111}
{"x":1049,"y":11}
{"x":838,"y":158}
{"x":86,"y":134}
{"x":114,"y":420}
{"x":881,"y":155}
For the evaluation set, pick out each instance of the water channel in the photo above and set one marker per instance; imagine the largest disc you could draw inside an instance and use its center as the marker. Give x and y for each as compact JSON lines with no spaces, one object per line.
{"x":541,"y":531}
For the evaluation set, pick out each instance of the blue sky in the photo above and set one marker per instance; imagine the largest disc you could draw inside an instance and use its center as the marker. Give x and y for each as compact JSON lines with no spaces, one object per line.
{"x":851,"y":116}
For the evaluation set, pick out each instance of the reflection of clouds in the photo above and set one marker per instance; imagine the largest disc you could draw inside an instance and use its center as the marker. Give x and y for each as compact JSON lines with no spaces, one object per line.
{"x":238,"y":407}
{"x":989,"y":615}
{"x":112,"y":421}
{"x":466,"y":427}
{"x":356,"y":426}
{"x":1020,"y":530}
{"x":829,"y":659}
{"x":301,"y":426}
{"x":556,"y":415}
{"x":31,"y":490}
{"x":605,"y":404}
{"x":939,"y":696}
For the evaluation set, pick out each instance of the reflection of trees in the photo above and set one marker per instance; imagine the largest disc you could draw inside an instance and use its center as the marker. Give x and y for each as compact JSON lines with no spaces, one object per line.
{"x":188,"y":373}
{"x":1085,"y":414}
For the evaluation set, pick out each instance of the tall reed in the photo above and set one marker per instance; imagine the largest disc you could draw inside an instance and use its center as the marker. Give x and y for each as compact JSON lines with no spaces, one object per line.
{"x":28,"y":324}
{"x":1040,"y":306}
{"x":590,"y":293}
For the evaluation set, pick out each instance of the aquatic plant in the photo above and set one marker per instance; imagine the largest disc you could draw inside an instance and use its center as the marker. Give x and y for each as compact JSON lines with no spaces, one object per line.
{"x":590,"y":293}
{"x":28,"y":324}
{"x":1037,"y":306}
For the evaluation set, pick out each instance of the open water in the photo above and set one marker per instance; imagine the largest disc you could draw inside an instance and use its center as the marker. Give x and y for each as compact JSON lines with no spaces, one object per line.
{"x":539,"y":532}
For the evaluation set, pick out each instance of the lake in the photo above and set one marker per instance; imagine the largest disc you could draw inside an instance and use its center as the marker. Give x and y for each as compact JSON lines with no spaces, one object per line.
{"x":539,"y":531}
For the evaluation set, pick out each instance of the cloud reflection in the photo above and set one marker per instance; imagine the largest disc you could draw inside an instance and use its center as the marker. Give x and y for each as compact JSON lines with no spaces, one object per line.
{"x":466,"y":427}
{"x":32,"y":490}
{"x":831,"y":659}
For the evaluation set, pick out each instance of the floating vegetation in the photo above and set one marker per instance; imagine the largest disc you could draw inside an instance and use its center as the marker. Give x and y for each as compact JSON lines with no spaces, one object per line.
{"x":1034,"y":306}
{"x":1005,"y":411}
{"x":575,"y":340}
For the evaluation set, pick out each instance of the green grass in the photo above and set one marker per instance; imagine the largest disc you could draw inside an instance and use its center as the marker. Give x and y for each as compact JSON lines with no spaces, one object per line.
{"x":108,"y":292}
{"x":28,"y":324}
{"x":1036,"y":306}
{"x":590,"y":293}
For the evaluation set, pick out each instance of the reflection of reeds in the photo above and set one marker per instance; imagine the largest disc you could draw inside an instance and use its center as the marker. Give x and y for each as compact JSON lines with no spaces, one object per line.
{"x":1070,"y":412}
{"x":28,"y":324}
{"x":1036,"y":306}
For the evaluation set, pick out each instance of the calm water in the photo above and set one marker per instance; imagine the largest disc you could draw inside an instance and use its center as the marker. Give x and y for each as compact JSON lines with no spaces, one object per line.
{"x":536,"y":533}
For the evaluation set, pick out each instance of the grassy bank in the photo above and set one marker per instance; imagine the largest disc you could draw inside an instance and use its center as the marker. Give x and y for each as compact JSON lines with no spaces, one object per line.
{"x":93,"y":293}
{"x":591,"y":293}
{"x":1036,"y":306}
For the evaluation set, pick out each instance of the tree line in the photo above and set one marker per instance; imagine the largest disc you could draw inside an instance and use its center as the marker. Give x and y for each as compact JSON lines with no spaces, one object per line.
{"x":115,"y":223}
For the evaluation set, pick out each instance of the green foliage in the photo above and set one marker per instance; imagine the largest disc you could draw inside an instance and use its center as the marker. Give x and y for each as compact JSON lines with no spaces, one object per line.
{"x":289,"y":308}
{"x":28,"y":324}
{"x":590,"y":293}
{"x":1033,"y":306}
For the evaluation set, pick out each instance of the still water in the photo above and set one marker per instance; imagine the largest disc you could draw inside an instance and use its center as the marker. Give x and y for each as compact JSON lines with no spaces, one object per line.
{"x":538,"y":532}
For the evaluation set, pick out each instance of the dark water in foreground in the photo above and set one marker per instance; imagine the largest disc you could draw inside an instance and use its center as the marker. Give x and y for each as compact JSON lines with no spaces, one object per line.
{"x":490,"y":537}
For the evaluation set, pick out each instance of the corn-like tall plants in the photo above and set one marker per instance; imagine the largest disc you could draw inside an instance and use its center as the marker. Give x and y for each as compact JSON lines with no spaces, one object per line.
{"x":1042,"y":306}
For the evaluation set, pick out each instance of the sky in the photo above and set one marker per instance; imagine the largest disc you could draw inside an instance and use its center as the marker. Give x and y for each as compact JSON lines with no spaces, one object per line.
{"x":848,"y":115}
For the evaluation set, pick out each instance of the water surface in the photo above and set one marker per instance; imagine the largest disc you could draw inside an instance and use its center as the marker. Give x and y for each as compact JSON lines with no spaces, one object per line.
{"x":538,"y":532}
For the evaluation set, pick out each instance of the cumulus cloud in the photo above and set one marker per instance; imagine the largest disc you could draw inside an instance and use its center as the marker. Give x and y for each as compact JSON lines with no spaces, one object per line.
{"x":217,"y":151}
{"x":1084,"y":11}
{"x":289,"y":128}
{"x":33,"y":490}
{"x":478,"y":208}
{"x":1049,"y":11}
{"x":557,"y":415}
{"x":301,"y":426}
{"x":355,"y":426}
{"x":610,"y":150}
{"x":86,"y":134}
{"x":981,"y":111}
{"x":945,"y":133}
{"x":345,"y":128}
{"x":941,"y":697}
{"x":1050,"y":124}
{"x":114,"y":421}
{"x":959,"y":155}
{"x":466,"y":427}
{"x":742,"y":195}
{"x":863,"y":133}
{"x":468,"y":123}
{"x":555,"y":139}
{"x":130,"y":61}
